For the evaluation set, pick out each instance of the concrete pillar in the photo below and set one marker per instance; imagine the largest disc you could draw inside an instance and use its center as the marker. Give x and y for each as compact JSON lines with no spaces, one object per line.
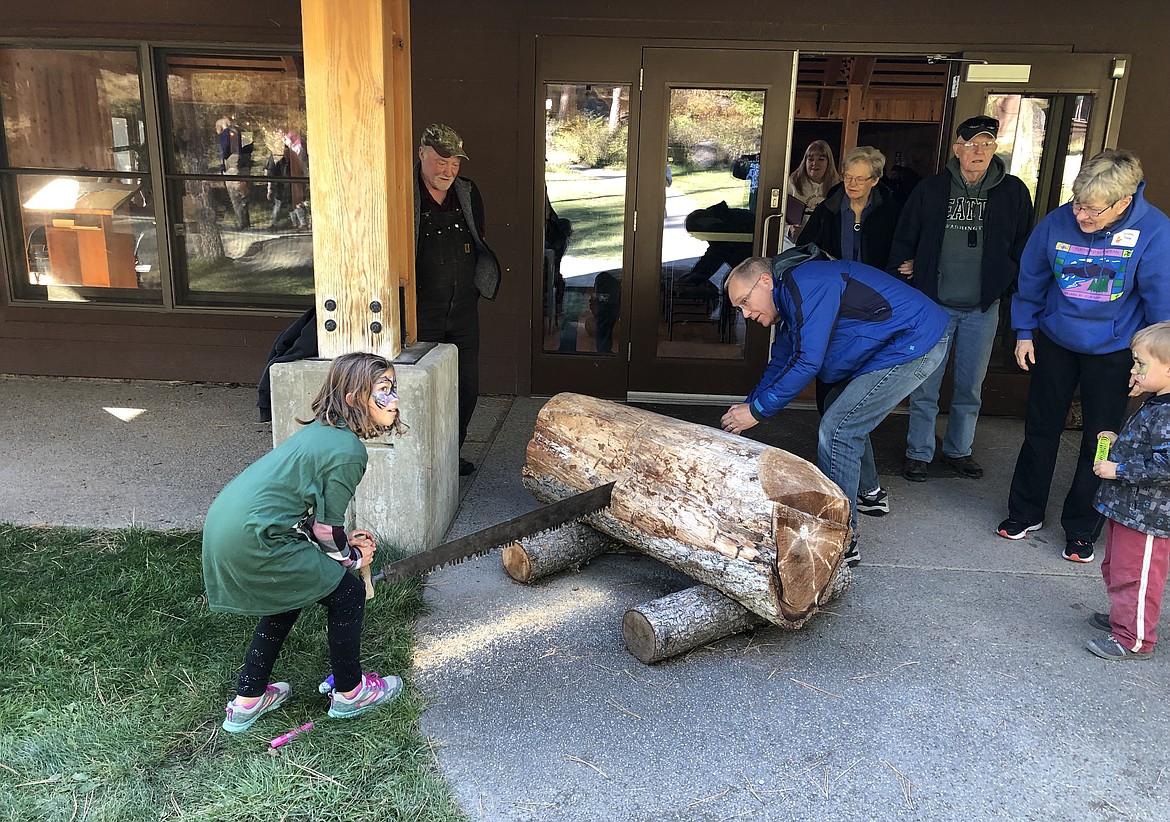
{"x":411,"y":488}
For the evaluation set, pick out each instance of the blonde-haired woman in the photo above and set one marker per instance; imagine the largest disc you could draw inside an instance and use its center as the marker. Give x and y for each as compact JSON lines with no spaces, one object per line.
{"x":812,"y":179}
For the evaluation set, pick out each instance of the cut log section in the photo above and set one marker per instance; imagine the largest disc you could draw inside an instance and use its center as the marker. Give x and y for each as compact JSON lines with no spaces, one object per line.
{"x":690,"y":619}
{"x":682,"y":622}
{"x":570,"y":546}
{"x":759,"y":525}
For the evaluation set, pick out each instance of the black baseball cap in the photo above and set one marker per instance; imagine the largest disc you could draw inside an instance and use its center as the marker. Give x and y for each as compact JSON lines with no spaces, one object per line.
{"x":973,"y":126}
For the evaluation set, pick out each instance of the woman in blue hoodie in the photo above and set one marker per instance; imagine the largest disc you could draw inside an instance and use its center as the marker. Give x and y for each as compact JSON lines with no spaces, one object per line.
{"x":1094,"y":271}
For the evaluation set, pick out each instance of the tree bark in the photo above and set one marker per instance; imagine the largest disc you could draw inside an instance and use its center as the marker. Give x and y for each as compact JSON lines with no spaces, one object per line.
{"x":683,"y":621}
{"x":692,"y":618}
{"x":758,"y":524}
{"x":573,"y":545}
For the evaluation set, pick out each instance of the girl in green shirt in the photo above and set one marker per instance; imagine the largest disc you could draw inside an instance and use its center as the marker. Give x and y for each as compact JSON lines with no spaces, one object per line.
{"x":274,"y":541}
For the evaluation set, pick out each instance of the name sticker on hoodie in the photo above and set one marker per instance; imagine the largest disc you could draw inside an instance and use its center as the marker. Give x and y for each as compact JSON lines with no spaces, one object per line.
{"x":1127,"y":238}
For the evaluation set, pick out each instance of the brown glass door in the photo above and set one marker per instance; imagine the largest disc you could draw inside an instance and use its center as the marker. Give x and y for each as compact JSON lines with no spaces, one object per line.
{"x":714,"y":129}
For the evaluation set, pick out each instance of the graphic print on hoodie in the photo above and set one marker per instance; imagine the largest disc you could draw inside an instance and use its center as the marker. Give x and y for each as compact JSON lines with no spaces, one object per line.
{"x":1091,"y":273}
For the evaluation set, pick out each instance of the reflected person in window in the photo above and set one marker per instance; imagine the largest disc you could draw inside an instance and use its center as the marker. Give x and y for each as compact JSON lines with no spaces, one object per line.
{"x":292,"y":161}
{"x":235,"y":158}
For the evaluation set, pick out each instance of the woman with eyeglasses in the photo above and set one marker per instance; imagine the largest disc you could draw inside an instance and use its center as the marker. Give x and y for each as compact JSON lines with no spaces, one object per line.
{"x":857,"y":219}
{"x":856,"y":222}
{"x":1094,"y":272}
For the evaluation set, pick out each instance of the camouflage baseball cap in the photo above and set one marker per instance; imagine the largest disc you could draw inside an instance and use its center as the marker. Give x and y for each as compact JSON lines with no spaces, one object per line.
{"x":444,"y":140}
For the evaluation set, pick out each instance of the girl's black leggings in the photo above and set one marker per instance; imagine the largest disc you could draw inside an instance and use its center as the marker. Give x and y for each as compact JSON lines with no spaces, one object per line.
{"x":346,"y":607}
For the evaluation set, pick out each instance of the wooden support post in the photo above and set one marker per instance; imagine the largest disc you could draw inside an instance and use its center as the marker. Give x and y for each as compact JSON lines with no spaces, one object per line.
{"x":574,"y":545}
{"x":357,"y":97}
{"x":853,"y":99}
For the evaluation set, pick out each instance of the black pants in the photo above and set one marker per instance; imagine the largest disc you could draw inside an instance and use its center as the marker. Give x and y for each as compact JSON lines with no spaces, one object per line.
{"x":1104,"y":382}
{"x":347,"y":608}
{"x":456,"y":323}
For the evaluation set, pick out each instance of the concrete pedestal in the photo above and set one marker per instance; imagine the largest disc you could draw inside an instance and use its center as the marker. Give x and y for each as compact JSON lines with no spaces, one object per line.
{"x":410,"y":492}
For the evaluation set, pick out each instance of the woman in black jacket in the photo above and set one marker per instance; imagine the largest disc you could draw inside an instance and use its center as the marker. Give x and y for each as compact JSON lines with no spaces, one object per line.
{"x":858,"y":217}
{"x":856,"y":222}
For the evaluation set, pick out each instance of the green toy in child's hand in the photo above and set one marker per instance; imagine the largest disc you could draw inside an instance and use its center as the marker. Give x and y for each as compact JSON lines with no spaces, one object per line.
{"x":1102,"y":448}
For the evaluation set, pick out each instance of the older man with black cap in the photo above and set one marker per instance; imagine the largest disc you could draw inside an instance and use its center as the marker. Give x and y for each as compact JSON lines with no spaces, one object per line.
{"x":959,"y":241}
{"x":453,"y":265}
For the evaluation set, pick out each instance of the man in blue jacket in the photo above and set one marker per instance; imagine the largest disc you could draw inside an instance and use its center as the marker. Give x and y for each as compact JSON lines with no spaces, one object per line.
{"x":843,"y":322}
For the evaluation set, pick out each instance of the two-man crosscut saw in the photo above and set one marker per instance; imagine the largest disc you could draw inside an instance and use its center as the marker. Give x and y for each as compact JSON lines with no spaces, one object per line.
{"x":482,"y":542}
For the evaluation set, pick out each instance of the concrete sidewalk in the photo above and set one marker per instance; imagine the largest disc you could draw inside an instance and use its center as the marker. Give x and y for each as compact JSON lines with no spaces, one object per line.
{"x":951,"y":682}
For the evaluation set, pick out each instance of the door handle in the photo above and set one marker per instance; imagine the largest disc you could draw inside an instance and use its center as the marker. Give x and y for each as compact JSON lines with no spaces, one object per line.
{"x":764,"y":234}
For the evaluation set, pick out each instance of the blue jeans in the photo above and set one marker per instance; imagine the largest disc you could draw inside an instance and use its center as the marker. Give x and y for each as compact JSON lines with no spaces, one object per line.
{"x":973,"y":334}
{"x":868,"y":480}
{"x":865,"y":402}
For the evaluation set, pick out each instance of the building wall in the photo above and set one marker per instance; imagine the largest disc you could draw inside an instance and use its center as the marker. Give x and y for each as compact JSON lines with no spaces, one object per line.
{"x":474,"y":68}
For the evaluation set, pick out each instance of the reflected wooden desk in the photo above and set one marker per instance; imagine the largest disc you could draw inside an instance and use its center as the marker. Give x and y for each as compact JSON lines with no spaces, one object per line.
{"x":84,"y":246}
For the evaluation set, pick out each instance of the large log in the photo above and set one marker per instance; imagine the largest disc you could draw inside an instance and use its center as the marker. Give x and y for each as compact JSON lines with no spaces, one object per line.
{"x":759,"y":525}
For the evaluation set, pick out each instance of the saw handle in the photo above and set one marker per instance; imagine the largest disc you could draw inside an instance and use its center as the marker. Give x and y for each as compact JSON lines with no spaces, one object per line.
{"x":365,"y":543}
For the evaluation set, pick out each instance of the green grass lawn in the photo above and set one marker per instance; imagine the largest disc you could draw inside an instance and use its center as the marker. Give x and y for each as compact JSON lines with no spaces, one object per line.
{"x":115,"y":678}
{"x":596,"y":203}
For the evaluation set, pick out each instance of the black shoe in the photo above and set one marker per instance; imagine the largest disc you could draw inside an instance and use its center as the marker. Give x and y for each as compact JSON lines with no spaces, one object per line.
{"x":1016,"y":529}
{"x":1107,"y":647}
{"x":465,"y":467}
{"x":852,"y":554}
{"x":1078,"y":550}
{"x":915,"y":470}
{"x":965,"y":466}
{"x":1100,"y":621}
{"x":876,"y":504}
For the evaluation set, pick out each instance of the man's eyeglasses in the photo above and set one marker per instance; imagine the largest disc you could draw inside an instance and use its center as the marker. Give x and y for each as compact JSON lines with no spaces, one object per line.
{"x":741,"y":306}
{"x":1096,"y":212}
{"x":850,"y":180}
{"x":987,"y":145}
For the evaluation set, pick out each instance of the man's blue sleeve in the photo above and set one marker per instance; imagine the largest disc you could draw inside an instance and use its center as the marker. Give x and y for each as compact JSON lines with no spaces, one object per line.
{"x":809,"y":308}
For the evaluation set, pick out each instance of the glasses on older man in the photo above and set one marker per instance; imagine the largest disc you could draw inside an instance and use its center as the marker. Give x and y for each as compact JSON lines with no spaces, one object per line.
{"x":741,"y":304}
{"x":850,"y":180}
{"x":982,"y":145}
{"x":1079,"y":208}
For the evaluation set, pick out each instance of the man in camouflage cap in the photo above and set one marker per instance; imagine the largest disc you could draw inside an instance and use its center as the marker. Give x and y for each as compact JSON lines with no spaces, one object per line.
{"x":453,"y":265}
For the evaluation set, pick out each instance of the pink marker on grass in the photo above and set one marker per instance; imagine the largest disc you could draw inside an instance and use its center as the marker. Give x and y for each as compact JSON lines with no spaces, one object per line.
{"x":283,"y":738}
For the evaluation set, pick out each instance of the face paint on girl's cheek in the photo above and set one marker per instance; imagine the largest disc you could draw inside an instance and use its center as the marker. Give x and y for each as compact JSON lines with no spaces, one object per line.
{"x":385,"y":398}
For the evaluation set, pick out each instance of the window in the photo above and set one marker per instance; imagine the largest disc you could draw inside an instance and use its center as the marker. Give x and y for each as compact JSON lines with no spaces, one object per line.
{"x":238,"y":179}
{"x":82,"y":165}
{"x":76,"y":176}
{"x":586,"y":136}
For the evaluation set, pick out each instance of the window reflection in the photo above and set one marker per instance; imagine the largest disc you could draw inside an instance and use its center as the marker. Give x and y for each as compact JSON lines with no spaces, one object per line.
{"x":75,"y":178}
{"x":87,"y":232}
{"x":237,"y":125}
{"x":586,"y":139}
{"x":270,"y":256}
{"x":713,"y":156}
{"x":1023,"y":123}
{"x":74,"y":110}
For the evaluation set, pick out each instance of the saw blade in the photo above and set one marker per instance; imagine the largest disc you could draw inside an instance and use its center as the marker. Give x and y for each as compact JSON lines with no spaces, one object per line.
{"x":483,"y":542}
